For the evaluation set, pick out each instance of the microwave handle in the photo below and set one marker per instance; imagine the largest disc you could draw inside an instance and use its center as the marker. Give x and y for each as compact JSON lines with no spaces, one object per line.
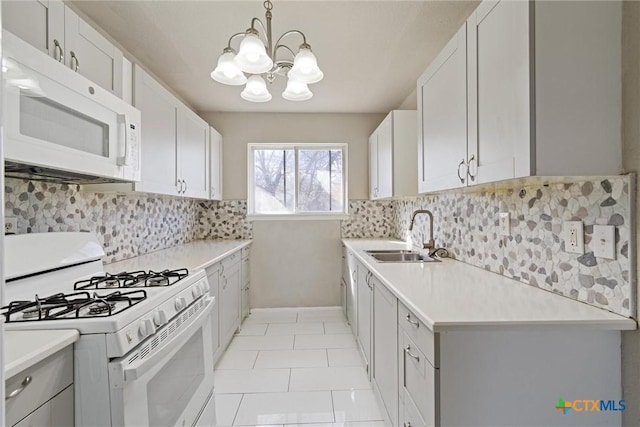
{"x":138,"y":369}
{"x":124,"y":123}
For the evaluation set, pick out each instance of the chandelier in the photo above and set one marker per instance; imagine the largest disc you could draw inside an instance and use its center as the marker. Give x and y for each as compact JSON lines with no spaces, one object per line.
{"x":260,"y":56}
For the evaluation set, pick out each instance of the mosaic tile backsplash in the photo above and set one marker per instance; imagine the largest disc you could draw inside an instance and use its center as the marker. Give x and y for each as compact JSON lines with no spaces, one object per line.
{"x":128,"y":224}
{"x":465,"y":222}
{"x":467,"y":225}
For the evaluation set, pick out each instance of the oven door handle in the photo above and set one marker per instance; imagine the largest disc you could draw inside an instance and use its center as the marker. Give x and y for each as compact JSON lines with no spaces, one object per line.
{"x":140,"y":367}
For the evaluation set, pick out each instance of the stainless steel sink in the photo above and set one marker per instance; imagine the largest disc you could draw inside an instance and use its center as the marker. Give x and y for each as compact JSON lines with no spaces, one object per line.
{"x":400,"y":256}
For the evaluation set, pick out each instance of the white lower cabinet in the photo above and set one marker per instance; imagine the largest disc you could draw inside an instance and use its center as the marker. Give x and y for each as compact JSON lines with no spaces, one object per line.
{"x":365,"y":313}
{"x":213,"y":277}
{"x":230,"y":297}
{"x":226,"y":282}
{"x":42,"y":395}
{"x":246,"y":284}
{"x":385,"y":334}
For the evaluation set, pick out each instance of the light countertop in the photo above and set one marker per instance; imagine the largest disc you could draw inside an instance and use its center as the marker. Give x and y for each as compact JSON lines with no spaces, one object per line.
{"x":452,"y":295}
{"x":194,"y":256}
{"x":26,"y":348}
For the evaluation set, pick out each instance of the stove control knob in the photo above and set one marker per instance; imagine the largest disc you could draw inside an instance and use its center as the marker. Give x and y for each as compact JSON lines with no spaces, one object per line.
{"x":146,"y":328}
{"x":160,"y":318}
{"x":181,"y":303}
{"x":206,"y":287}
{"x":196,"y":292}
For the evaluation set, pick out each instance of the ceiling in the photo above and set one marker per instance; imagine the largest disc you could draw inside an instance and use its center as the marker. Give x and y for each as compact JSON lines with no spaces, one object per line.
{"x":371,"y":52}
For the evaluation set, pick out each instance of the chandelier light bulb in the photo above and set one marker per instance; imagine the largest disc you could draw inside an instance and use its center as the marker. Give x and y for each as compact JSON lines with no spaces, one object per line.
{"x":256,"y":90}
{"x":296,"y":91}
{"x":305,"y":66}
{"x":227,"y":72}
{"x":252,"y":56}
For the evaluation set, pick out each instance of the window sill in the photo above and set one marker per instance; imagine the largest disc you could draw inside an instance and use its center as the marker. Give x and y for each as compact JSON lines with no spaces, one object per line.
{"x":298,"y":217}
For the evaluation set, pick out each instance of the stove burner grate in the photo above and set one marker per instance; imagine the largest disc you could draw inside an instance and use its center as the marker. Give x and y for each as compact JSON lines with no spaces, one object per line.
{"x":136,"y":279}
{"x":72,"y":306}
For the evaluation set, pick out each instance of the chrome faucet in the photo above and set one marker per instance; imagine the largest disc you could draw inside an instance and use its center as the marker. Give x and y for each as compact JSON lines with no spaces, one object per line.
{"x":431,"y":244}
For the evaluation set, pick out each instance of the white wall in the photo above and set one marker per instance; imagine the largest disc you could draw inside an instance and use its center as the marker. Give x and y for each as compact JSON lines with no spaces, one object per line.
{"x":294,"y":263}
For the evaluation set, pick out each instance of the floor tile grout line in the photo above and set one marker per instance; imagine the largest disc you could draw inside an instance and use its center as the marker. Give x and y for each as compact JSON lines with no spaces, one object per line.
{"x":333,"y":407}
{"x":237,"y":410}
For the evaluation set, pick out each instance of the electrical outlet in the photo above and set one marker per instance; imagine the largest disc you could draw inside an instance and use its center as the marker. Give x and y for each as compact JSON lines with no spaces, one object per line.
{"x":505,"y":224}
{"x":573,"y":237}
{"x":10,"y":225}
{"x":604,"y":241}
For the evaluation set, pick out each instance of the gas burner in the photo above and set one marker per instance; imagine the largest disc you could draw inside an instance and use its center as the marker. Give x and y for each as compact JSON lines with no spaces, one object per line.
{"x":156,"y":281}
{"x":101,"y":307}
{"x":111,"y":282}
{"x":33,"y":313}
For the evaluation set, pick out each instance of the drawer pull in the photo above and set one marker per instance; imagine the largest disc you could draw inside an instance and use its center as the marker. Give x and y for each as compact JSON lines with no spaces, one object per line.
{"x":14,"y":393}
{"x":407,"y":350}
{"x":413,"y":322}
{"x":407,"y":424}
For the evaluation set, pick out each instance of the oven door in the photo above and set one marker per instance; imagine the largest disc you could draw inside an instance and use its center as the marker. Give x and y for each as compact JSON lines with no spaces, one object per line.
{"x":173,"y":383}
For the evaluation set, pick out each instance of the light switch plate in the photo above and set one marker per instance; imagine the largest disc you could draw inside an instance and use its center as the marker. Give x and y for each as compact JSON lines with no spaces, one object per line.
{"x":505,"y":224}
{"x":604,"y":241}
{"x":573,"y":237}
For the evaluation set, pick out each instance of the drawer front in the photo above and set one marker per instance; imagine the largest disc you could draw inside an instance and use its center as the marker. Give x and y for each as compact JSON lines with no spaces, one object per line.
{"x":245,"y":251}
{"x":232,"y":259}
{"x":418,"y":332}
{"x":48,"y":378}
{"x":410,"y":416}
{"x":245,"y":271}
{"x":417,"y":378}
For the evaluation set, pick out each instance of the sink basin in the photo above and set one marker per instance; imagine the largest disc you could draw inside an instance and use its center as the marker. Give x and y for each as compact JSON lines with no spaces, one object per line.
{"x":400,"y":256}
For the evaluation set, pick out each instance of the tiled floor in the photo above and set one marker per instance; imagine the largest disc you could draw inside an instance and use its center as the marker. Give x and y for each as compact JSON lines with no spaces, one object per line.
{"x":294,"y":367}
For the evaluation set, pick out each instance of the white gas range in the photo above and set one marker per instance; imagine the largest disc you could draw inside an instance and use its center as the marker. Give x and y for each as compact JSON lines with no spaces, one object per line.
{"x":144,"y":357}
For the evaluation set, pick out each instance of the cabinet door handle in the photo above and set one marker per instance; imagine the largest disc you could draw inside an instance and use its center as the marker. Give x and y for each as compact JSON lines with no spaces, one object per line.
{"x":407,"y":424}
{"x":459,"y":176}
{"x":179,"y":186}
{"x":74,"y":58}
{"x":413,"y":322}
{"x":213,"y":192}
{"x":472,"y":159}
{"x":185,"y":186}
{"x":407,"y":350}
{"x":25,"y":382}
{"x":58,"y":48}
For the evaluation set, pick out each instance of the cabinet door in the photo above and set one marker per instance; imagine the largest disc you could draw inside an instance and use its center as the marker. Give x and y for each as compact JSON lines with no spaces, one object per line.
{"x":38,"y":22}
{"x":92,"y":55}
{"x":215,"y":164}
{"x":246,"y":285}
{"x":352,"y":293}
{"x":442,"y":116}
{"x":385,"y":158}
{"x":229,"y":302}
{"x":364,"y":315}
{"x":373,"y":166}
{"x":193,"y":153}
{"x":385,"y":334}
{"x":213,"y":277}
{"x":158,"y":108}
{"x":499,"y":91}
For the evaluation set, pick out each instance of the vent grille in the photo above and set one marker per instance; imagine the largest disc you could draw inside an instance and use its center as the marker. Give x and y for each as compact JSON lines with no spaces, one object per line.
{"x":173,"y":328}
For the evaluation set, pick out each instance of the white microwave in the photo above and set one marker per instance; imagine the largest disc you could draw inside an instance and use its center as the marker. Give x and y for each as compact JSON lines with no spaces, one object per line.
{"x":59,"y":125}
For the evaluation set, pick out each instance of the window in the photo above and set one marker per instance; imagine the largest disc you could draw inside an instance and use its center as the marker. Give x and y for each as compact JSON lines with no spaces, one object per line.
{"x":304,"y":180}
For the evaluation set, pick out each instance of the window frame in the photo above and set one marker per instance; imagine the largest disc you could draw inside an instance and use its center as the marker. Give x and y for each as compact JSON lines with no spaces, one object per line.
{"x":296,"y":214}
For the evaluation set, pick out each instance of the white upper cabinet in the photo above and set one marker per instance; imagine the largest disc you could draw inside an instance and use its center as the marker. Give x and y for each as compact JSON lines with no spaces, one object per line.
{"x":540,"y":95}
{"x":59,"y":32}
{"x":175,"y":142}
{"x":92,"y":55}
{"x":442,"y":107}
{"x":158,"y":108}
{"x":215,"y":164}
{"x":193,"y":153}
{"x":391,"y":147}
